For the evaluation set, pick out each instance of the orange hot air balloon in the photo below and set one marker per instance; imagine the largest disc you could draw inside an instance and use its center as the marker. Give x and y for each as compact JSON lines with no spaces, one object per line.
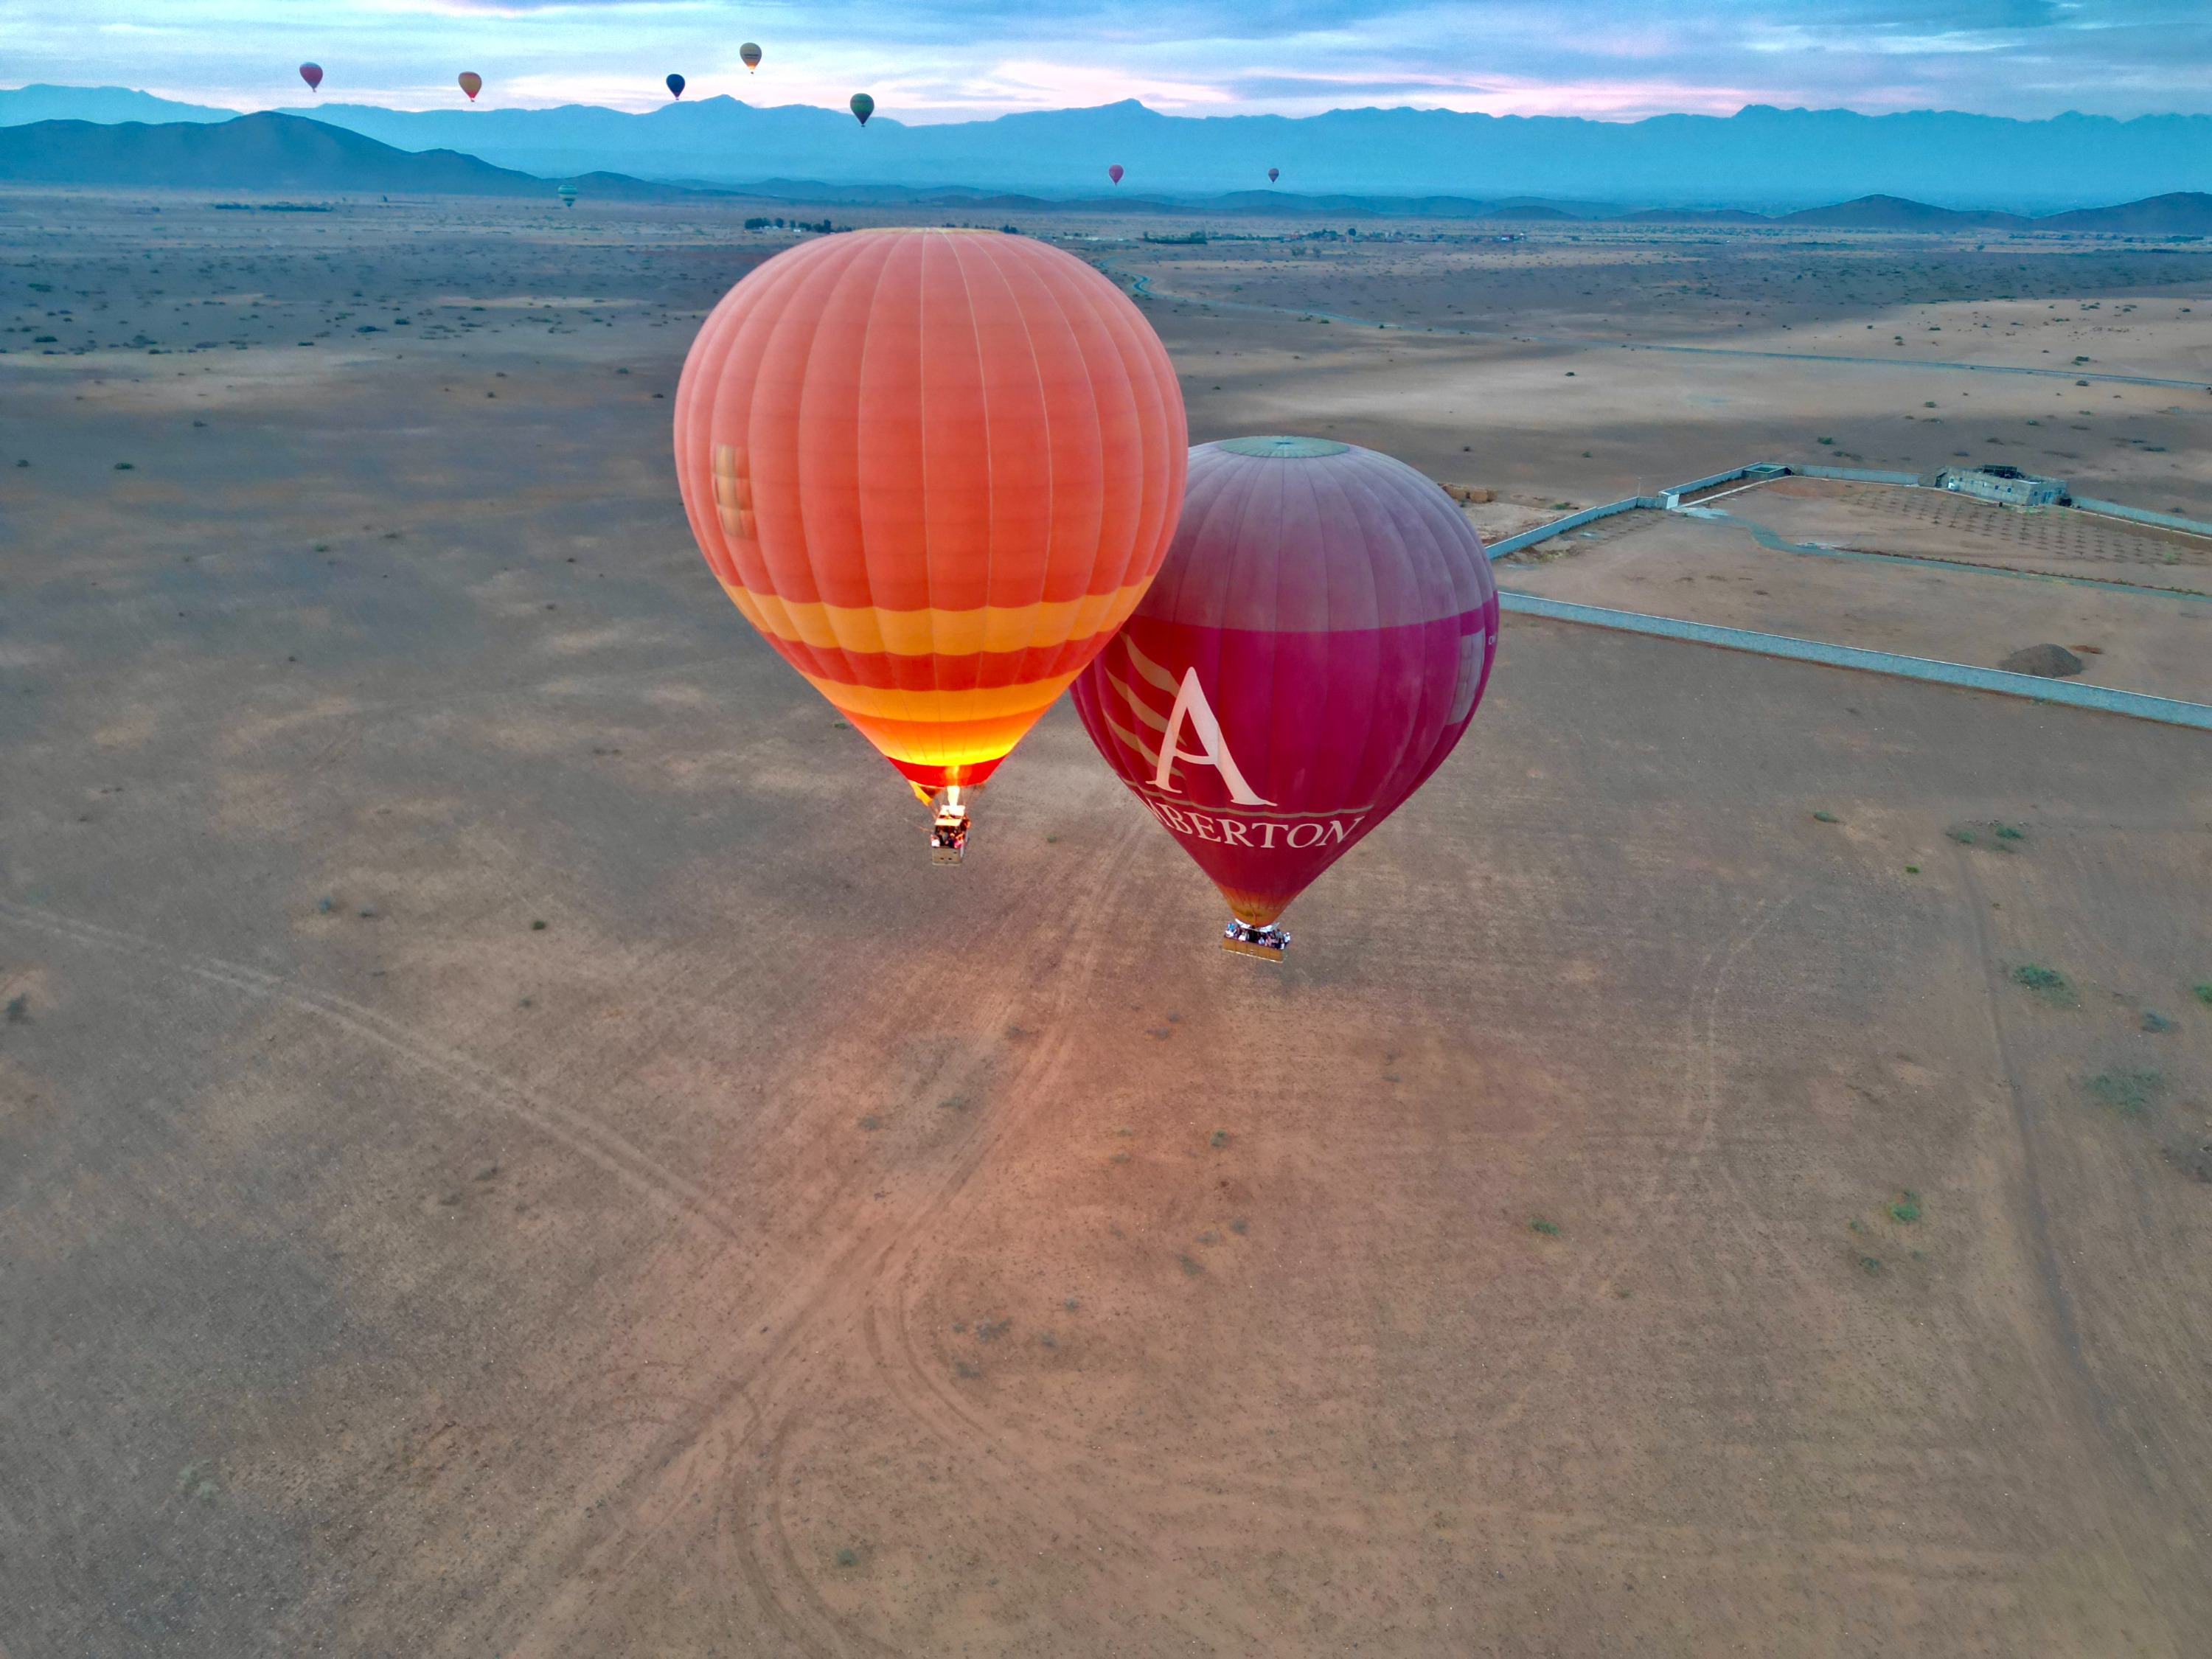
{"x":937,"y":468}
{"x":749,"y":55}
{"x":471,"y":83}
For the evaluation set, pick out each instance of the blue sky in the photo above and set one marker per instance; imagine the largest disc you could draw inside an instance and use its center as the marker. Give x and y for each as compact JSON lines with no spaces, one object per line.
{"x":925,"y":60}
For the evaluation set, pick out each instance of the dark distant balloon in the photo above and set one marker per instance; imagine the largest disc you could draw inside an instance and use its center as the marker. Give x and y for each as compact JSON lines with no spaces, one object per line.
{"x":471,"y":83}
{"x":1273,"y":174}
{"x":863,"y":108}
{"x":675,"y":86}
{"x":312,"y":74}
{"x":1315,"y":644}
{"x":1115,"y":172}
{"x":567,"y":195}
{"x":750,"y":54}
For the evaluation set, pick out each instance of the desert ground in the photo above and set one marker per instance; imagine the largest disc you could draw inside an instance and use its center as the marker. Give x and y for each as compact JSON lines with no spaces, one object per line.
{"x":509,"y":1147}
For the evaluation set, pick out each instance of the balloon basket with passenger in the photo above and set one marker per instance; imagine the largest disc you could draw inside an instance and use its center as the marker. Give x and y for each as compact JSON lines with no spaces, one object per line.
{"x":948,"y":824}
{"x":1263,"y":939}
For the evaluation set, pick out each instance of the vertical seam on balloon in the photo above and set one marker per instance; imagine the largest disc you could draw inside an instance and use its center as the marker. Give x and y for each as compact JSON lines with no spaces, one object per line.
{"x":1044,"y":404}
{"x":1367,"y":742}
{"x":844,"y":272}
{"x":989,"y":481}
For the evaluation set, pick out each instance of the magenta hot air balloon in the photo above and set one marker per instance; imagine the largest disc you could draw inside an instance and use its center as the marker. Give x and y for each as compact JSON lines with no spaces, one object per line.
{"x":1315,"y":644}
{"x":312,"y":74}
{"x":1273,"y":174}
{"x":1115,"y":172}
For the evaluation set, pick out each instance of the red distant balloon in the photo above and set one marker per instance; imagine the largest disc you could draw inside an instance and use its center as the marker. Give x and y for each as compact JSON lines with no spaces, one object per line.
{"x":1115,"y":172}
{"x":1273,"y":174}
{"x":1315,"y":644}
{"x":471,"y":83}
{"x":312,"y":74}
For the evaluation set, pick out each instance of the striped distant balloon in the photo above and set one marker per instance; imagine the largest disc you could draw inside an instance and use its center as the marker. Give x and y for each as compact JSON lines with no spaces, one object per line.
{"x":937,"y":468}
{"x":1317,"y":641}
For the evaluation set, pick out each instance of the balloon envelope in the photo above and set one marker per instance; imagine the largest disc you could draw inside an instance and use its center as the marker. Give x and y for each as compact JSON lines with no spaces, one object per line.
{"x":1115,"y":172}
{"x":675,"y":86}
{"x":750,"y":54}
{"x":471,"y":83}
{"x":1273,"y":174}
{"x":312,"y":74}
{"x":863,"y":107}
{"x":936,"y":469}
{"x":1316,"y":642}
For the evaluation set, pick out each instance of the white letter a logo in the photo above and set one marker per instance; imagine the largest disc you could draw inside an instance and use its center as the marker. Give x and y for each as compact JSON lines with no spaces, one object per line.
{"x":1190,"y":704}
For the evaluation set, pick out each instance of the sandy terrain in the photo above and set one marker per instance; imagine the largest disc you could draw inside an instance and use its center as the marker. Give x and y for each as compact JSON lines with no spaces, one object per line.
{"x":791,"y":1248}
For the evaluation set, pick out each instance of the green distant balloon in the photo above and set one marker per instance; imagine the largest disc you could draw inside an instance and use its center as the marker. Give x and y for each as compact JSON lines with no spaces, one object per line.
{"x":863,"y":108}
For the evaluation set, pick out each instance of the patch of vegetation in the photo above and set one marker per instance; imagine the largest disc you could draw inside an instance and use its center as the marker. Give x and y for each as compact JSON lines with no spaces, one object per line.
{"x":1190,"y":1264}
{"x":2009,"y":832}
{"x":1870,"y":1266}
{"x":19,"y":1009}
{"x":537,"y":927}
{"x":848,"y":1556}
{"x":1826,"y":817}
{"x":1239,"y":1227}
{"x":2127,"y":1093}
{"x":1538,"y":1224}
{"x":871,"y":1123}
{"x":1960,"y":834}
{"x":1219,"y":1138}
{"x":1911,"y":869}
{"x":1906,"y":1208}
{"x":2154,"y":1021}
{"x":2202,"y":991}
{"x":2046,"y":982}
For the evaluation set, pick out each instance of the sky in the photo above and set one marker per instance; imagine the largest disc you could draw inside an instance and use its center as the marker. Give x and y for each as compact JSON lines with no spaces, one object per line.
{"x":934,"y":60}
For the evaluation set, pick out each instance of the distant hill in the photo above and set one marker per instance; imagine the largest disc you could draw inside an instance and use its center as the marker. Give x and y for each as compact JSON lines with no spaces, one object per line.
{"x":1772,"y":159}
{"x":21,"y":106}
{"x":265,"y":152}
{"x":2184,"y":213}
{"x":1896,"y":213}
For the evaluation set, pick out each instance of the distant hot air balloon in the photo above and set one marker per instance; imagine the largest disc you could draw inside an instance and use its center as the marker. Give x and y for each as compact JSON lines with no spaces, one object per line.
{"x":1273,"y":174}
{"x":750,"y":55}
{"x":567,"y":195}
{"x":863,"y":107}
{"x":675,"y":86}
{"x":1115,"y":172}
{"x":312,"y":74}
{"x":471,"y":83}
{"x":1316,"y":643}
{"x":936,"y":469}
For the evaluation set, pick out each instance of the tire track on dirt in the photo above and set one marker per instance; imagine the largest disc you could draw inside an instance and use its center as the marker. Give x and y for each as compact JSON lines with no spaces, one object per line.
{"x":579,"y":1134}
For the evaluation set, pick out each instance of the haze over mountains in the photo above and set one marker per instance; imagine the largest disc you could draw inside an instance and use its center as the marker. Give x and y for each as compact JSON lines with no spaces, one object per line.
{"x":1760,"y":158}
{"x":272,"y":152}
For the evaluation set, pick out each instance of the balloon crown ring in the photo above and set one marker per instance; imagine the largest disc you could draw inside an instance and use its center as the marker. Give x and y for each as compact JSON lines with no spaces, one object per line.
{"x":1283,"y":448}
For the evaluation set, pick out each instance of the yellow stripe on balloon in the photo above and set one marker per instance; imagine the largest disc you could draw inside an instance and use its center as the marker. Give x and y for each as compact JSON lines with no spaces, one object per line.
{"x":969,"y":743}
{"x":931,"y":632}
{"x":986,"y":703}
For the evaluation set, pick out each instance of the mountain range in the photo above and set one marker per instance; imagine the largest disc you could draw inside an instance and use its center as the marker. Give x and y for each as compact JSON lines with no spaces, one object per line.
{"x":1772,"y":159}
{"x":269,"y":152}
